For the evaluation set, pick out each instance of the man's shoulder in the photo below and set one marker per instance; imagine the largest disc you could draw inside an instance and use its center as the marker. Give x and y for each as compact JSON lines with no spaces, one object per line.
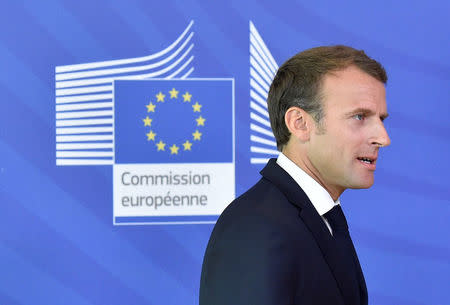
{"x":260,"y":196}
{"x":262,"y":206}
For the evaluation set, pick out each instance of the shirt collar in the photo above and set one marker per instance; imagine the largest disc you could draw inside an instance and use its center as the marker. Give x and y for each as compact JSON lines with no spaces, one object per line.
{"x":316,"y":193}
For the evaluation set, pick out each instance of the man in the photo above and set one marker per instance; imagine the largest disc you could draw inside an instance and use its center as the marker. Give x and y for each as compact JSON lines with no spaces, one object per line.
{"x":285,"y":241}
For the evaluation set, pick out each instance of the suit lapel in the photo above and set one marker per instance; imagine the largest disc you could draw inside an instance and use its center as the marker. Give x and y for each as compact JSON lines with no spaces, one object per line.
{"x":362,"y":281}
{"x":344,"y":278}
{"x":345,"y":281}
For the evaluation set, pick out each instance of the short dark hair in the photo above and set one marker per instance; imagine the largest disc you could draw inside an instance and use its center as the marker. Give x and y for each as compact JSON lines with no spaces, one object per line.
{"x":298,"y":82}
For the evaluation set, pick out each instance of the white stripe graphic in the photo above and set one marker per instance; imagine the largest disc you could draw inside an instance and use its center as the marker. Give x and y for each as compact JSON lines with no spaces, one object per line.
{"x":259,"y":119}
{"x":79,"y":130}
{"x":258,"y":108}
{"x":84,"y":138}
{"x":109,"y":63}
{"x":180,"y":68}
{"x":258,"y":88}
{"x":81,"y":146}
{"x":262,"y":71}
{"x":83,"y":114}
{"x":82,"y":106}
{"x":258,"y":98}
{"x":259,"y":80}
{"x":89,"y":86}
{"x":188,"y":73}
{"x":60,"y":123}
{"x":62,"y":92}
{"x":105,"y":80}
{"x":264,"y":131}
{"x":80,"y":154}
{"x":84,"y":162}
{"x":86,"y":74}
{"x":257,"y":62}
{"x":260,"y":42}
{"x":83,"y":98}
{"x":258,"y":52}
{"x":263,"y":141}
{"x":259,"y":160}
{"x":262,"y":150}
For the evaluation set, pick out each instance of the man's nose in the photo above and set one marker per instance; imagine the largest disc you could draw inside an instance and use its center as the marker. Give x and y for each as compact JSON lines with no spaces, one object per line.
{"x":382,"y":138}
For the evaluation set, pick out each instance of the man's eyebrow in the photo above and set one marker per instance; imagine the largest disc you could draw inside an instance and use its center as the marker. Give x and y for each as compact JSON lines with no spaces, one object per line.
{"x":366,"y":111}
{"x":360,"y":110}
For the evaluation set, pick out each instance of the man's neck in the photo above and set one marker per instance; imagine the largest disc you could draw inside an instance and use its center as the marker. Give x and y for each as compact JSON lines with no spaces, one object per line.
{"x":304,"y":163}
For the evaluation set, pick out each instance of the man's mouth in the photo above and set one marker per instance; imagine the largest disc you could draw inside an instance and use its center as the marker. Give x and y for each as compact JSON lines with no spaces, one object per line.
{"x":367,"y":160}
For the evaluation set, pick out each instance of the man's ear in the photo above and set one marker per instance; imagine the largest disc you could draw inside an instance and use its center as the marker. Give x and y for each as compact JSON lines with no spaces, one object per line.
{"x":296,"y":120}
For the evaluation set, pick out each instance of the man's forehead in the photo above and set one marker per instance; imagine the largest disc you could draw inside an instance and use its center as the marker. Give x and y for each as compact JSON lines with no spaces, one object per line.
{"x":360,"y":106}
{"x":352,"y":70}
{"x":352,"y":77}
{"x":353,"y":88}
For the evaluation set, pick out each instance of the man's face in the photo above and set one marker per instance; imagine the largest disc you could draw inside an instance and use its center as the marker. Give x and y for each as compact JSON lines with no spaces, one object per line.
{"x":344,"y":154}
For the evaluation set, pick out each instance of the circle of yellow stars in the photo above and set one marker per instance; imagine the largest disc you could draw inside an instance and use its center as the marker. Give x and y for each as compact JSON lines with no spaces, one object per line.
{"x":162,"y":98}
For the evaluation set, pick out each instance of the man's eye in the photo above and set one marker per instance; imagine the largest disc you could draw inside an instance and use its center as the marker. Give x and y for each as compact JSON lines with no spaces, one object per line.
{"x":359,"y":117}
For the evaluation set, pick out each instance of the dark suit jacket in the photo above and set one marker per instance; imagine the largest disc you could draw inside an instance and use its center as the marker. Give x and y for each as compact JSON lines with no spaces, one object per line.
{"x":270,"y":246}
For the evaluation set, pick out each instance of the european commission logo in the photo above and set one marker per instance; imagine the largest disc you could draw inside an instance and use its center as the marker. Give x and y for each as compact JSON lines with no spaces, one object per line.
{"x":169,"y":138}
{"x":174,"y":150}
{"x":173,"y":121}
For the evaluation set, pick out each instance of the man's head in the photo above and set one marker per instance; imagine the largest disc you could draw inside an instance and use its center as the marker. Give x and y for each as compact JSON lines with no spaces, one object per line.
{"x":326,"y":108}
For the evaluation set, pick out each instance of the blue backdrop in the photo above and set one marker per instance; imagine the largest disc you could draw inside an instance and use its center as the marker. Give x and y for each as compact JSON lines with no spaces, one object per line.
{"x":58,"y":244}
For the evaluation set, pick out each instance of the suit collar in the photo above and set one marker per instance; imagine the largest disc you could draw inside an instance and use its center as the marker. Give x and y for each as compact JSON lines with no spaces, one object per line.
{"x":317,"y":194}
{"x":283,"y":181}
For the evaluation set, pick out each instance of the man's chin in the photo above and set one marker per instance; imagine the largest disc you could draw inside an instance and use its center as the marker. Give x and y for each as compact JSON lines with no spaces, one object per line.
{"x":362,"y":184}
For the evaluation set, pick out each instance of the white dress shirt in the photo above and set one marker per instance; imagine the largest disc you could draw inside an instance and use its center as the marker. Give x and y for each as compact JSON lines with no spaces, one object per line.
{"x":316,"y":193}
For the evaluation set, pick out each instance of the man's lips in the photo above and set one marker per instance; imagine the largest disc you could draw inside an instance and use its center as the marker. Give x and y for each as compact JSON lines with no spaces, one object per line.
{"x":368,"y":161}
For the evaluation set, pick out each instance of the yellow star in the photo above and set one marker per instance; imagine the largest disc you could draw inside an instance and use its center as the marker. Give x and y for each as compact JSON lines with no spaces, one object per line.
{"x":147,"y":121}
{"x":151,"y":136}
{"x":187,"y":97}
{"x":187,"y":145}
{"x":196,"y":107}
{"x":197,"y":135}
{"x":174,"y":149}
{"x":200,"y":121}
{"x":173,"y":93}
{"x":160,"y":97}
{"x":160,"y":145}
{"x":150,"y":107}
